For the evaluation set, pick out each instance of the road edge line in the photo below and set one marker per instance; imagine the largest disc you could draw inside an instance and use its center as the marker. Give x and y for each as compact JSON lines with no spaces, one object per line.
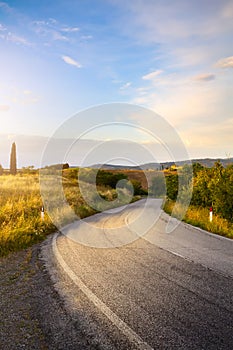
{"x":132,"y":336}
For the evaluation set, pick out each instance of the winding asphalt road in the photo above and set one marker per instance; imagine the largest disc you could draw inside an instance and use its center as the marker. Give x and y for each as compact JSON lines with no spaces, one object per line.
{"x":141,"y":280}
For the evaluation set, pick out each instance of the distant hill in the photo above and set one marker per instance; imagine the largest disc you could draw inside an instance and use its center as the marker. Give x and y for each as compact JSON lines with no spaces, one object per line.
{"x":206,"y":162}
{"x":115,"y":167}
{"x":209,"y":162}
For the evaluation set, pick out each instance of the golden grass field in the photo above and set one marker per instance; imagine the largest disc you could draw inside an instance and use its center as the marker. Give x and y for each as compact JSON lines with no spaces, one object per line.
{"x":20,"y":207}
{"x":21,"y":224}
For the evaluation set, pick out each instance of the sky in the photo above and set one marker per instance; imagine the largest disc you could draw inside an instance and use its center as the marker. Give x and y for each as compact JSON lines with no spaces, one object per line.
{"x":172,"y":57}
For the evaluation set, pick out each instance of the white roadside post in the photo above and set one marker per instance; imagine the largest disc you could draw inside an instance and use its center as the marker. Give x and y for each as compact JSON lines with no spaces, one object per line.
{"x":42,"y":213}
{"x":211,"y":214}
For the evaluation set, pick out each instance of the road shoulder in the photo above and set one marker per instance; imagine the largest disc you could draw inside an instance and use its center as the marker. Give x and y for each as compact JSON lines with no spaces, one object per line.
{"x":33,"y":314}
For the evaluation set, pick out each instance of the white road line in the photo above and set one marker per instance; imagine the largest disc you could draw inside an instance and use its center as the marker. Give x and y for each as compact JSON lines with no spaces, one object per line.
{"x":121,"y":325}
{"x":177,"y":254}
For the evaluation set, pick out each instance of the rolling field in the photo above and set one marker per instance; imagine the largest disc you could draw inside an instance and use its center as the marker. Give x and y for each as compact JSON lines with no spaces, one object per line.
{"x":144,"y":177}
{"x":21,"y":224}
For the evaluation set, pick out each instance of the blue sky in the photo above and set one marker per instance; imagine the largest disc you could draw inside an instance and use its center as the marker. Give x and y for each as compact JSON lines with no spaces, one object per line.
{"x":173,"y":57}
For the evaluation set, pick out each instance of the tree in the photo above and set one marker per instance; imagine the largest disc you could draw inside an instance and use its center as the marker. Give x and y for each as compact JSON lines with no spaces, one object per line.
{"x":107,"y":178}
{"x":158,"y":186}
{"x":202,"y":196}
{"x":13,"y":166}
{"x":1,"y":170}
{"x":28,"y":170}
{"x":65,"y":166}
{"x":172,"y":186}
{"x":196,"y":168}
{"x":222,"y":190}
{"x":138,"y":190}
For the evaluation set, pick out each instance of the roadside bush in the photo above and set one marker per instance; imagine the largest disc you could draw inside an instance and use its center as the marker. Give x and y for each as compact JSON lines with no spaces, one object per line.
{"x":158,"y":186}
{"x":109,"y":179}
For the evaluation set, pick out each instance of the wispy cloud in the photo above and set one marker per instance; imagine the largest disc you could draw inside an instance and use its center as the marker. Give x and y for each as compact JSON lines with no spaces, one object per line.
{"x":17,"y":96}
{"x":186,"y":36}
{"x":126,"y":86}
{"x":152,"y":75}
{"x":5,"y":6}
{"x":86,"y":37}
{"x":158,"y":21}
{"x":8,"y":35}
{"x":226,"y":62}
{"x":49,"y":29}
{"x":204,"y":77}
{"x":17,"y":39}
{"x":70,"y":29}
{"x":142,"y":91}
{"x":185,"y":103}
{"x":58,"y":36}
{"x":71,"y":61}
{"x":227,"y":11}
{"x":2,"y":28}
{"x":52,"y":29}
{"x":12,"y":37}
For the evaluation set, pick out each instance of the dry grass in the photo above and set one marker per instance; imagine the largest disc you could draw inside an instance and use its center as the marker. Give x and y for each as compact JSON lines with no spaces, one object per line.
{"x":20,"y":213}
{"x":21,"y":224}
{"x":200,"y":217}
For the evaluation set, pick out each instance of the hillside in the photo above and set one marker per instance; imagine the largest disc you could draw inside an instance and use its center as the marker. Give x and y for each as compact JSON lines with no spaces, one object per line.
{"x":206,"y":162}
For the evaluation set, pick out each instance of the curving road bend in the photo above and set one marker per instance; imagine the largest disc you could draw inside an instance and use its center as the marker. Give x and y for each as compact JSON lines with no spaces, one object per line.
{"x":135,"y":286}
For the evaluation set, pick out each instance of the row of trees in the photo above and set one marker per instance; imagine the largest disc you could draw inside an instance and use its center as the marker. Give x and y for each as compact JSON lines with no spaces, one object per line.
{"x":105,"y":178}
{"x":214,"y":187}
{"x":210,"y":187}
{"x":13,"y":161}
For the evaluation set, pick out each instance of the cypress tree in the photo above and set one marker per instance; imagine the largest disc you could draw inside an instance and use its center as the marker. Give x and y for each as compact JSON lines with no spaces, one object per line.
{"x":13,"y":166}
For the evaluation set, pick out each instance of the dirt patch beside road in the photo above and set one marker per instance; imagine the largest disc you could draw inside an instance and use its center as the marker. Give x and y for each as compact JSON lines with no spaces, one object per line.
{"x":32,"y":314}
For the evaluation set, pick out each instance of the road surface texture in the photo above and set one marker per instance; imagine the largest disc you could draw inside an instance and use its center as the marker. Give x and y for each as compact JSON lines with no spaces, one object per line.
{"x":130,"y":284}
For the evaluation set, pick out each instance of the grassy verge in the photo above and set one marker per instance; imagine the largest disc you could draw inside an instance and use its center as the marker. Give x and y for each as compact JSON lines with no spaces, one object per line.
{"x":20,"y":206}
{"x":20,"y":209}
{"x":200,"y":217}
